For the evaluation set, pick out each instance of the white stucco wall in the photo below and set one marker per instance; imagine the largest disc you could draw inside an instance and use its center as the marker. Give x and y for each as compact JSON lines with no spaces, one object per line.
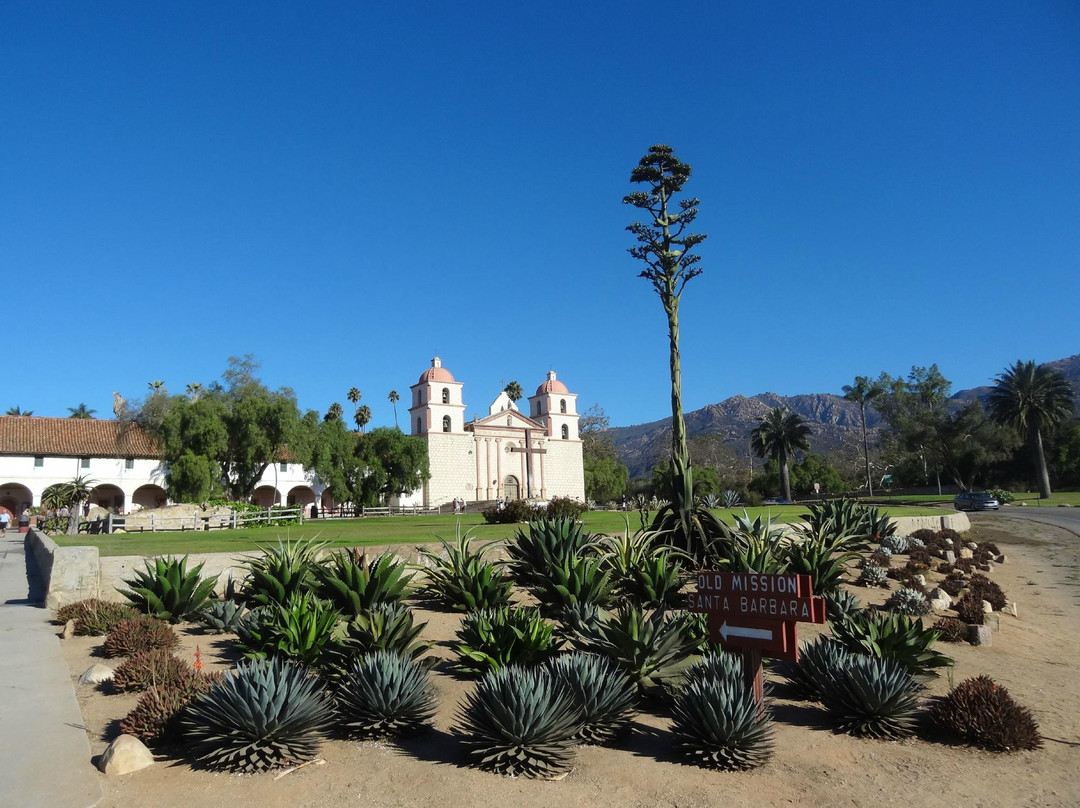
{"x":21,"y":470}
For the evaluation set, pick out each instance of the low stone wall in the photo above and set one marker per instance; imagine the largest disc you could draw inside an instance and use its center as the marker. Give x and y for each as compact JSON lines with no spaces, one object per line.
{"x":957,"y":521}
{"x":63,"y":574}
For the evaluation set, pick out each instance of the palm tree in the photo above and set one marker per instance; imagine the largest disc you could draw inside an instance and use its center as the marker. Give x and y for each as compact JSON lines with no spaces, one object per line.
{"x":780,"y":433}
{"x":70,"y":495}
{"x":156,"y":386}
{"x":1032,"y":398}
{"x":514,"y":391}
{"x":194,"y":390}
{"x":17,"y":411}
{"x":334,"y":413}
{"x":864,"y":391}
{"x":354,"y":395}
{"x":362,"y":416}
{"x":81,"y":411}
{"x":394,"y":399}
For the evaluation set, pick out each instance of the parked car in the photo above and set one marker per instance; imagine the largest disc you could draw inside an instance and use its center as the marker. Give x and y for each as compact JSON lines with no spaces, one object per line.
{"x":975,"y":501}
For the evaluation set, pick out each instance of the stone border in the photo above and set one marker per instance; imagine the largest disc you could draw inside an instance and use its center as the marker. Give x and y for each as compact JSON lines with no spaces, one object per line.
{"x":63,"y":574}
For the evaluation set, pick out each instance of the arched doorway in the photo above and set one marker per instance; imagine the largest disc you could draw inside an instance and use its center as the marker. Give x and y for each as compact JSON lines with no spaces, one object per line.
{"x":300,"y":495}
{"x":511,"y":487}
{"x":109,"y":497}
{"x":265,"y":496}
{"x":15,"y":498}
{"x":149,"y":496}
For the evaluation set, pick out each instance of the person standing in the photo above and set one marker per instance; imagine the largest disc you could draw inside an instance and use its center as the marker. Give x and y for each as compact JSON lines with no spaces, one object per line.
{"x":5,"y":518}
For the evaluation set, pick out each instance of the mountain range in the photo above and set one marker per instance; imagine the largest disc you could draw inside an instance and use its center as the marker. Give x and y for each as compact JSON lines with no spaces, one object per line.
{"x":834,"y":421}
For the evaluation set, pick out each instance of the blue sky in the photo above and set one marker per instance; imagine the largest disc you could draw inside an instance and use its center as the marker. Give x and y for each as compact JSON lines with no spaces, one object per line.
{"x":345,"y":189}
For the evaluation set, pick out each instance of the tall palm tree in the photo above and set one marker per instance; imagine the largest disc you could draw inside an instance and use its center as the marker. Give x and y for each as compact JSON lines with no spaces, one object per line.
{"x":70,"y":495}
{"x":394,"y":399}
{"x":1032,"y":398}
{"x":195,"y":390}
{"x":514,"y":391}
{"x":362,"y":416}
{"x":780,"y":433}
{"x":864,"y":391}
{"x":81,"y":411}
{"x":17,"y":411}
{"x":156,"y":386}
{"x":334,"y":413}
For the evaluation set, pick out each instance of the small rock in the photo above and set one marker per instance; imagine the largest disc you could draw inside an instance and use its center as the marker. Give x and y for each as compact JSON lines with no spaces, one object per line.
{"x":125,"y":755}
{"x":1010,"y":608}
{"x":1022,"y":504}
{"x":1001,"y":559}
{"x":937,"y":593}
{"x":949,"y":542}
{"x":971,"y":545}
{"x":966,"y":553}
{"x":96,"y":674}
{"x":68,"y":631}
{"x":986,"y":607}
{"x":939,"y":604}
{"x":985,"y":568}
{"x":979,"y":635}
{"x":920,"y":580}
{"x":950,"y":557}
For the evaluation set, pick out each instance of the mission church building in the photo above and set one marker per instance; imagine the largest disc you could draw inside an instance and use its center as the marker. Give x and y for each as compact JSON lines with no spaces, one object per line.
{"x":503,"y":455}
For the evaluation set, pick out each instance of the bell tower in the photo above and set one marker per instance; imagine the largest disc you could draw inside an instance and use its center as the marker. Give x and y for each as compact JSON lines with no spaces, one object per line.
{"x":437,"y":404}
{"x":555,"y":407}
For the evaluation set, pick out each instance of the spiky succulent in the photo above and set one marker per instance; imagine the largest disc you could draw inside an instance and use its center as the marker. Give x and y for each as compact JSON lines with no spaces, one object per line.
{"x":281,"y":571}
{"x":167,"y":589}
{"x":137,"y":634}
{"x":718,"y":723}
{"x":221,"y":616}
{"x":873,"y":575}
{"x":385,"y":695}
{"x":354,"y":584}
{"x":915,"y":543}
{"x":491,"y":639}
{"x":156,"y":716}
{"x":909,"y":601}
{"x":148,"y":668}
{"x":897,"y":544}
{"x":385,"y":627}
{"x":94,"y":617}
{"x":871,"y":698}
{"x":896,"y":637}
{"x":951,"y":629}
{"x":264,"y":714}
{"x":461,"y":579}
{"x":605,"y":696}
{"x":983,"y":713}
{"x":302,"y":628}
{"x":817,"y":660}
{"x":576,"y":579}
{"x":841,"y":602}
{"x":544,"y":545}
{"x":520,"y":721}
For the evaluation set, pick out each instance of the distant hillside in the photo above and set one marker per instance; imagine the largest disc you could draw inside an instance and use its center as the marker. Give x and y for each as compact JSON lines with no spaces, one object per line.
{"x":835,"y":422}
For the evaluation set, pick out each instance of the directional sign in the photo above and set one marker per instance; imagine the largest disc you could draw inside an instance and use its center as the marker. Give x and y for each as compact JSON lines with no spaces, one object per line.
{"x":771,"y":638}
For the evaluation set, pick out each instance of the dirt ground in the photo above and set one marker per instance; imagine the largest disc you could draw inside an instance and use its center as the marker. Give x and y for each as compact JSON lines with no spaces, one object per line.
{"x":1036,"y":655}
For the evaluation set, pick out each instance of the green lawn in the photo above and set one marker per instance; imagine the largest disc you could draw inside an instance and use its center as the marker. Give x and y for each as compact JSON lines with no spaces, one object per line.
{"x":378,"y":530}
{"x":1031,"y":499}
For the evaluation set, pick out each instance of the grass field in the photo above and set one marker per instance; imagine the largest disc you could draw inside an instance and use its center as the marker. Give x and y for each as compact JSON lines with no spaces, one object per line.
{"x":377,"y":530}
{"x":1027,"y":497}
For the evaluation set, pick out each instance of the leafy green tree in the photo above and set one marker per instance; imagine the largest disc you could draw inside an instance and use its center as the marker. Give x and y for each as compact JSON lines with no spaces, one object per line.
{"x":815,"y":469}
{"x":606,"y":478}
{"x":393,"y":464}
{"x":1032,"y":399}
{"x":1066,"y":456}
{"x":394,"y":399}
{"x":780,"y":434}
{"x":915,"y":409}
{"x":665,"y":247}
{"x":81,"y":411}
{"x":514,"y":391}
{"x":967,"y":444}
{"x":335,"y":460}
{"x":864,"y":392}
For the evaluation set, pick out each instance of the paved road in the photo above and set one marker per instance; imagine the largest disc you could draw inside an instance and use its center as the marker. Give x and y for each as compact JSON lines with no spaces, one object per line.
{"x":1068,"y":518}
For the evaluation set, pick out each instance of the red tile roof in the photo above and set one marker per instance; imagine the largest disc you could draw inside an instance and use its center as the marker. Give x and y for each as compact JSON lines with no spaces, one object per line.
{"x":74,"y":437}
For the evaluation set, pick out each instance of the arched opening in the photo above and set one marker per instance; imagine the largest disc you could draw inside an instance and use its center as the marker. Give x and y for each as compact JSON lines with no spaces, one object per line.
{"x":300,"y":495}
{"x":446,"y":395}
{"x":15,"y":498}
{"x":328,"y":500}
{"x":265,"y":496}
{"x":511,"y":487}
{"x":446,"y":423}
{"x":565,"y":432}
{"x":109,"y":497}
{"x":149,"y":496}
{"x":562,"y":405}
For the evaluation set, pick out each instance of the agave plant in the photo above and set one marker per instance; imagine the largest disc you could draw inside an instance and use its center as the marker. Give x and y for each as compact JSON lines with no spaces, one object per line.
{"x":301,"y":629}
{"x":719,"y":724}
{"x":576,"y":579}
{"x":818,"y":555}
{"x":756,"y":546}
{"x":817,"y":661}
{"x":281,"y":571}
{"x":383,"y":627}
{"x":167,"y":589}
{"x":645,"y":572}
{"x":492,"y":639}
{"x":520,"y":721}
{"x":385,"y":695}
{"x":222,"y":616}
{"x":716,"y":665}
{"x":731,"y":499}
{"x":895,"y":637}
{"x":546,"y":544}
{"x":841,"y":602}
{"x":896,"y":544}
{"x":354,"y":585}
{"x":873,"y":575}
{"x":909,"y":601}
{"x":842,"y":517}
{"x":871,"y":697}
{"x":654,"y":650}
{"x":264,"y":714}
{"x":605,"y":696}
{"x":462,"y":580}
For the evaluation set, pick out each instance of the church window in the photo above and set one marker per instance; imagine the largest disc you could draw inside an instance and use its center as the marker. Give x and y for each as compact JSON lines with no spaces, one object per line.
{"x":446,"y":423}
{"x":565,"y":432}
{"x":446,"y":395}
{"x":562,"y":405}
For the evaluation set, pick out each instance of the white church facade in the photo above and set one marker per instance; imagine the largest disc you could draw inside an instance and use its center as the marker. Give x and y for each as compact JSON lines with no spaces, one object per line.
{"x":503,"y":455}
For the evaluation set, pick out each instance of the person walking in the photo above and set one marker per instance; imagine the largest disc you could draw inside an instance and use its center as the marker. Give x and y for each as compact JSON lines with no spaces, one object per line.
{"x":5,"y":518}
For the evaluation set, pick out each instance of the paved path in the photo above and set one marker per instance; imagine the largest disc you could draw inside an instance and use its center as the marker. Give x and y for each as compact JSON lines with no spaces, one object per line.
{"x":1066,"y":518}
{"x":44,"y":751}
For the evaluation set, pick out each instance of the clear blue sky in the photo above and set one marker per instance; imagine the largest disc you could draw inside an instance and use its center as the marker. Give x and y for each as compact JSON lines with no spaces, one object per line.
{"x":345,"y":189}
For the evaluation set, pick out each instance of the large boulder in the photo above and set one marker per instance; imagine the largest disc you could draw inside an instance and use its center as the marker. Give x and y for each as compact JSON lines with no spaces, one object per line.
{"x":125,"y":755}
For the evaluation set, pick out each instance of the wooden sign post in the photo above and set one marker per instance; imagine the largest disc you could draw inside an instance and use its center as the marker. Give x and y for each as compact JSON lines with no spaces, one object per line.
{"x":756,"y":614}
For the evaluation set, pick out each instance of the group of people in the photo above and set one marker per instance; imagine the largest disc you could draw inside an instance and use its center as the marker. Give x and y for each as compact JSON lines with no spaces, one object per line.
{"x":459,"y":505}
{"x":5,"y":520}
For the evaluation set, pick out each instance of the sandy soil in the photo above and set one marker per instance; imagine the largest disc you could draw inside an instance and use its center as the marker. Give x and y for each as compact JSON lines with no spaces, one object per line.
{"x":1036,"y":655}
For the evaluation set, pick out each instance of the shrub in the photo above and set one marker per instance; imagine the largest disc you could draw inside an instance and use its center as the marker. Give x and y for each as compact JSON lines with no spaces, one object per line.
{"x":817,"y":660}
{"x":880,"y":557}
{"x":983,"y":713}
{"x":222,"y":616}
{"x":951,"y":629}
{"x":520,"y":721}
{"x":1001,"y":495}
{"x":947,"y":533}
{"x":896,"y":637}
{"x":352,"y":583}
{"x":136,"y":634}
{"x":156,"y":717}
{"x":492,"y":639}
{"x":565,"y":508}
{"x":718,"y":724}
{"x":148,"y":668}
{"x":990,"y":547}
{"x":94,"y":617}
{"x":969,"y":610}
{"x":954,"y":583}
{"x":300,"y":629}
{"x":926,"y":536}
{"x":871,"y":697}
{"x":386,"y":695}
{"x":909,"y":601}
{"x":605,"y":696}
{"x":166,"y":589}
{"x":281,"y":571}
{"x":264,"y":714}
{"x":944,"y":568}
{"x":983,"y":588}
{"x":516,"y":511}
{"x":463,"y":581}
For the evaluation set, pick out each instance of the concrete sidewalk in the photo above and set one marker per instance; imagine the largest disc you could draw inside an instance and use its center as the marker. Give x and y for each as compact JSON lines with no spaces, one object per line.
{"x":44,"y":751}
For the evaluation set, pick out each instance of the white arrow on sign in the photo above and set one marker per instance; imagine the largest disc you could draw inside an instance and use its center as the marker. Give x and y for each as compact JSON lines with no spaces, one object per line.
{"x":742,"y":631}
